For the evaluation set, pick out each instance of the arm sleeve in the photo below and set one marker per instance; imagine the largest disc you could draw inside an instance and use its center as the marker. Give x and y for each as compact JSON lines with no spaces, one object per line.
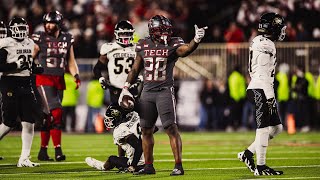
{"x":98,"y":68}
{"x":137,"y":145}
{"x":4,"y":66}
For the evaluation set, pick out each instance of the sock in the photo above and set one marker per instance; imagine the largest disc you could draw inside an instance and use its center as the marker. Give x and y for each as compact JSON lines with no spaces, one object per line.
{"x":45,"y":137}
{"x":56,"y":131}
{"x":252,"y":147}
{"x":273,"y":131}
{"x":56,"y":137}
{"x":4,"y":130}
{"x":262,"y":137}
{"x":27,"y":137}
{"x":178,"y":165}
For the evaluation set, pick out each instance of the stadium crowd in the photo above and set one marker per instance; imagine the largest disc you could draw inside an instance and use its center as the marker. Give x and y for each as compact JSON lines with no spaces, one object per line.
{"x":92,"y":22}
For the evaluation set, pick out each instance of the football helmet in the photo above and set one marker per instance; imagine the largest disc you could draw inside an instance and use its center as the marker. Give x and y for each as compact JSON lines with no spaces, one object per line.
{"x":272,"y":26}
{"x":124,"y":32}
{"x":3,"y":30}
{"x":113,"y":116}
{"x":19,"y":28}
{"x":53,"y":17}
{"x":160,"y":29}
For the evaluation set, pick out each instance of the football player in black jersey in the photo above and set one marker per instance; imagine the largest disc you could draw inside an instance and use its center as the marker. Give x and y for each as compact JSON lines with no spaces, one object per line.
{"x":156,"y":56}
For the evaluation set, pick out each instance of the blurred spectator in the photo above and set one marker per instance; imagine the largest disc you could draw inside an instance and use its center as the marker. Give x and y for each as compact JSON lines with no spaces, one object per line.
{"x":283,"y":91}
{"x":208,"y":94}
{"x":237,"y":91}
{"x":290,"y":32}
{"x":88,"y":47}
{"x":302,"y":33}
{"x":317,"y":97}
{"x":69,"y":103}
{"x":247,"y":120}
{"x":215,"y":36}
{"x":95,"y":100}
{"x":234,"y":34}
{"x":299,"y":87}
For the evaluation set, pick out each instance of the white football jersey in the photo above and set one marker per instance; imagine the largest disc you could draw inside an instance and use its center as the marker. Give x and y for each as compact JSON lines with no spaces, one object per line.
{"x":132,"y":126}
{"x":120,"y":62}
{"x":262,"y":64}
{"x":17,"y":50}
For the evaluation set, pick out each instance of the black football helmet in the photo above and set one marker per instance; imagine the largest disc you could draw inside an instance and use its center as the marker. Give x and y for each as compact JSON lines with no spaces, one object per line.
{"x":124,"y":32}
{"x":19,"y":28}
{"x":160,"y":29}
{"x":272,"y":25}
{"x":3,"y":30}
{"x":53,"y":17}
{"x":113,"y":116}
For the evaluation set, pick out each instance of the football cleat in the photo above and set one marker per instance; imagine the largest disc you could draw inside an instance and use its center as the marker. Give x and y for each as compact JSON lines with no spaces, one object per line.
{"x":247,"y":157}
{"x":59,"y":155}
{"x":95,"y":163}
{"x":177,"y":172}
{"x":266,"y":171}
{"x":26,"y":163}
{"x":43,"y":155}
{"x":145,"y":171}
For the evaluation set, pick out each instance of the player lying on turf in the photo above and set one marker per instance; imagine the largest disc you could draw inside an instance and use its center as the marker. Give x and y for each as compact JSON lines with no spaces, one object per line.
{"x":127,"y":135}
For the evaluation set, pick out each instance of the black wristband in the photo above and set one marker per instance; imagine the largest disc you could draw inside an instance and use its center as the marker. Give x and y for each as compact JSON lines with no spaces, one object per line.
{"x":77,"y":76}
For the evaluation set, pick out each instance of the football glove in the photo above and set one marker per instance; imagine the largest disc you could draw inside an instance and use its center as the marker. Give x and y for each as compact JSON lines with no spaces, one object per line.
{"x":199,"y":33}
{"x":22,"y":64}
{"x":125,"y":91}
{"x":77,"y":80}
{"x":103,"y":82}
{"x":272,"y":106}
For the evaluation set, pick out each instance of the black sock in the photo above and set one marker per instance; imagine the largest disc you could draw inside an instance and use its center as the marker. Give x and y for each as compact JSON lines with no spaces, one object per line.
{"x":178,"y":166}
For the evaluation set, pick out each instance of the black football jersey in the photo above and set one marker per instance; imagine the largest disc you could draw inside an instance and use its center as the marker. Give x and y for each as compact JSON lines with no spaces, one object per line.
{"x":158,"y":61}
{"x":53,"y":53}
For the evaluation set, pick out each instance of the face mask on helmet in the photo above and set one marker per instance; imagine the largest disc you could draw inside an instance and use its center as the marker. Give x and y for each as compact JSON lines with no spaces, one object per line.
{"x":3,"y":30}
{"x":19,"y":28}
{"x":54,"y":17}
{"x":272,"y":25}
{"x":160,"y":29}
{"x":113,"y":116}
{"x":123,"y":32}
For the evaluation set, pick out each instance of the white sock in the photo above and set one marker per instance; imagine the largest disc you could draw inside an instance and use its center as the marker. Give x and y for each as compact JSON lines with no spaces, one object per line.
{"x":4,"y":130}
{"x":273,"y":132}
{"x":252,"y":147}
{"x":27,"y":137}
{"x":262,"y":138}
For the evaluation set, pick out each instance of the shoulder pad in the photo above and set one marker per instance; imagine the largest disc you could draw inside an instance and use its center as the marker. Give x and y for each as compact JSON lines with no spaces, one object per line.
{"x":263,"y":44}
{"x":4,"y":42}
{"x":142,"y":43}
{"x":36,"y":37}
{"x":68,"y":36}
{"x":107,"y":47}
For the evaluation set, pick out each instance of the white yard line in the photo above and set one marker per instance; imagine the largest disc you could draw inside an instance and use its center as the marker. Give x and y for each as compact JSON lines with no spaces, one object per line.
{"x":184,"y":160}
{"x":193,"y":169}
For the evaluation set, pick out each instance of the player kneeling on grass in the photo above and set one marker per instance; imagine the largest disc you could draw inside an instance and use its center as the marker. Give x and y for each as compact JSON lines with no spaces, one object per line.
{"x":127,"y":135}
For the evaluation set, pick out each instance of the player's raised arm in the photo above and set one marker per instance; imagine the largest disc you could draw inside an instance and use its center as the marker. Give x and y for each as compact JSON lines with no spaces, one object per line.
{"x":187,"y":49}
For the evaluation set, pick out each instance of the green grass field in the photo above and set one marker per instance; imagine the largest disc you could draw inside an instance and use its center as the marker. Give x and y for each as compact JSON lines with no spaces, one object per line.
{"x":205,"y":156}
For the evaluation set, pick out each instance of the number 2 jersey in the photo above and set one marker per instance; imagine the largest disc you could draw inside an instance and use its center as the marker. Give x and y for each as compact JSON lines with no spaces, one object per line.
{"x":159,"y":61}
{"x":132,"y":126}
{"x":53,"y":55}
{"x":15,"y":50}
{"x":120,"y":61}
{"x":262,"y":64}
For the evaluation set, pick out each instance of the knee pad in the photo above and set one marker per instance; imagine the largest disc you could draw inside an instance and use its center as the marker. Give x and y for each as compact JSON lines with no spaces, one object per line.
{"x":57,"y":117}
{"x":262,"y":136}
{"x":275,"y":130}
